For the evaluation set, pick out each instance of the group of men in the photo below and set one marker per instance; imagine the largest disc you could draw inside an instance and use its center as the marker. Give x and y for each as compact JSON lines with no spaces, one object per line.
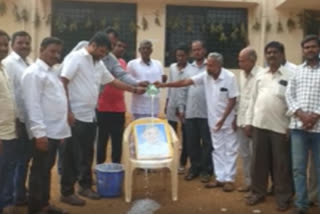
{"x":271,"y":117}
{"x":46,"y":108}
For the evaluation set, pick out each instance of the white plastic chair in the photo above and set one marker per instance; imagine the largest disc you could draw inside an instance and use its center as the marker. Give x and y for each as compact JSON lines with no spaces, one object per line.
{"x":131,"y":163}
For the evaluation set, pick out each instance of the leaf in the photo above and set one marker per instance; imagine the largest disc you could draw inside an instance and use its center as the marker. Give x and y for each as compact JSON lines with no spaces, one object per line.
{"x":37,"y":20}
{"x":144,"y":23}
{"x":279,"y":27}
{"x":3,"y":8}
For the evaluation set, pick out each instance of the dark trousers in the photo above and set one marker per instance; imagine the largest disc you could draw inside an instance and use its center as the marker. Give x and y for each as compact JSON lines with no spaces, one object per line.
{"x":40,"y":176}
{"x":77,"y":153}
{"x":199,"y":146}
{"x":184,"y":154}
{"x":110,"y":124}
{"x":271,"y":151}
{"x":8,"y":157}
{"x":24,"y":153}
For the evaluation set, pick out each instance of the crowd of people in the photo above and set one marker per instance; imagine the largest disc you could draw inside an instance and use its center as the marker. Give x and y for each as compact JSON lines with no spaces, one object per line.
{"x":269,"y":116}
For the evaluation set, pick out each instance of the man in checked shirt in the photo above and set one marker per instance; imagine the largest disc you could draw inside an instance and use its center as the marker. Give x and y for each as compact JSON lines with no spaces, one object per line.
{"x":303,"y":98}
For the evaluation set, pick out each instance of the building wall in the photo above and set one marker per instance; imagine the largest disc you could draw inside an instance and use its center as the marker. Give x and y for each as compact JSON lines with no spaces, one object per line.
{"x":260,"y":11}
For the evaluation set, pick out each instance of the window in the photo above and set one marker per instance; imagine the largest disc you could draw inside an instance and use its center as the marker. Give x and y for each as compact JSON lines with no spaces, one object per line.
{"x":224,"y":30}
{"x":76,"y":21}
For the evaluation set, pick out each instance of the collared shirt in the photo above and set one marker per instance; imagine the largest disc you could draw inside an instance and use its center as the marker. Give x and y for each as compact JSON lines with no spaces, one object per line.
{"x":112,"y":99}
{"x":304,"y":93}
{"x":15,"y":66}
{"x":142,"y":104}
{"x":246,"y":87}
{"x":46,"y":102}
{"x":196,"y":101}
{"x":267,"y":108}
{"x":85,"y":77}
{"x":7,"y":112}
{"x":218,"y":92}
{"x":112,"y":64}
{"x":290,"y":66}
{"x":176,"y":96}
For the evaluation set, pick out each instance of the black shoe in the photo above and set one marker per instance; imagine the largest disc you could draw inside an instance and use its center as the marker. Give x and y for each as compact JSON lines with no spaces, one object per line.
{"x":51,"y":209}
{"x":205,"y":178}
{"x":89,"y":193}
{"x":190,"y":176}
{"x":299,"y":211}
{"x":72,"y":200}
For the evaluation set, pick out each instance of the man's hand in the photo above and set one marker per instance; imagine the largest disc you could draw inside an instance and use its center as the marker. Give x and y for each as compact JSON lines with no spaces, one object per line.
{"x":158,"y":84}
{"x":1,"y":146}
{"x":180,"y":115}
{"x":248,"y":130}
{"x":144,"y":83}
{"x":42,"y":144}
{"x":234,"y":124}
{"x":219,"y":125}
{"x":308,"y":120}
{"x":71,"y":119}
{"x":139,"y":90}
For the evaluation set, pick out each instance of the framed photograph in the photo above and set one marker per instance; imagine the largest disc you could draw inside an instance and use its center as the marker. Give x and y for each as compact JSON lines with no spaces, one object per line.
{"x":152,"y":141}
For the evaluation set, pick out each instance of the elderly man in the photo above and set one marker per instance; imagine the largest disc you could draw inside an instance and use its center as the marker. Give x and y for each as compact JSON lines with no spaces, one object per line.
{"x":247,"y":62}
{"x":145,"y":69}
{"x":15,"y":64}
{"x":220,"y":91}
{"x":8,"y":137}
{"x":303,"y":98}
{"x":267,"y":114}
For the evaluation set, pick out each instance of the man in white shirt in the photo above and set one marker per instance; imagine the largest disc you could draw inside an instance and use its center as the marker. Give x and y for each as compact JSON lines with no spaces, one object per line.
{"x":267,"y":114}
{"x":145,"y":69}
{"x":221,"y":92}
{"x":47,"y":110}
{"x":8,"y":136}
{"x":15,"y":64}
{"x":247,"y":62}
{"x":82,"y":74}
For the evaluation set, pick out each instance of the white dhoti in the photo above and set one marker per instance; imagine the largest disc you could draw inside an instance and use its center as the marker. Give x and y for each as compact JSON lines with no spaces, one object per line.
{"x":224,"y":154}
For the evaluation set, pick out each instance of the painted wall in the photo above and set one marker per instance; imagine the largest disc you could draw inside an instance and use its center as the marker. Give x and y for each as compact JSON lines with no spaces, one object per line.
{"x":263,"y":12}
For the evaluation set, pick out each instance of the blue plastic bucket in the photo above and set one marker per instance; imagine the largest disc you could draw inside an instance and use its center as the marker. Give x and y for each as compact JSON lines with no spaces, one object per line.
{"x":109,"y":179}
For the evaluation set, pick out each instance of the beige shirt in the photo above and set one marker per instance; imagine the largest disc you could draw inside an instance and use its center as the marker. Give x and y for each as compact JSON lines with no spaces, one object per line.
{"x":7,"y":112}
{"x":246,"y":85}
{"x":267,"y":107}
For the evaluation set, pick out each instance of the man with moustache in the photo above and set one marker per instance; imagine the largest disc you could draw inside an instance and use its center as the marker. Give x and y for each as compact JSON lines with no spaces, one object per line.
{"x":247,"y":62}
{"x":199,"y":146}
{"x":267,"y":114}
{"x":8,"y":136}
{"x":47,"y":110}
{"x":303,"y":98}
{"x":83,"y":73}
{"x":221,"y":92}
{"x":15,"y":64}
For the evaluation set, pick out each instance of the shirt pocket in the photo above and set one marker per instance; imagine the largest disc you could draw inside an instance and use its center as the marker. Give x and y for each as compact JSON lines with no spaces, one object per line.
{"x":281,"y":87}
{"x":223,"y":94}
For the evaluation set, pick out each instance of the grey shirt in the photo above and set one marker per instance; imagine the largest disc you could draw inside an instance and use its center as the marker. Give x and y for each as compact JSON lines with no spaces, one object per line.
{"x":196,"y":100}
{"x":112,"y":64}
{"x":177,"y":96}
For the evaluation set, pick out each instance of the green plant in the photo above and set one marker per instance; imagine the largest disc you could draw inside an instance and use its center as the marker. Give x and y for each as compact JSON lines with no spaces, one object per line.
{"x":279,"y":27}
{"x":291,"y":24}
{"x":144,"y":23}
{"x":268,"y":26}
{"x":3,"y":8}
{"x":157,"y":18}
{"x":256,"y":26}
{"x":37,"y":20}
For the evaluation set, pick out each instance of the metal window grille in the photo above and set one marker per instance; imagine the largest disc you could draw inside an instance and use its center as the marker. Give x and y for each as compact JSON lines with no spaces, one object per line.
{"x":76,"y":21}
{"x":223,"y":30}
